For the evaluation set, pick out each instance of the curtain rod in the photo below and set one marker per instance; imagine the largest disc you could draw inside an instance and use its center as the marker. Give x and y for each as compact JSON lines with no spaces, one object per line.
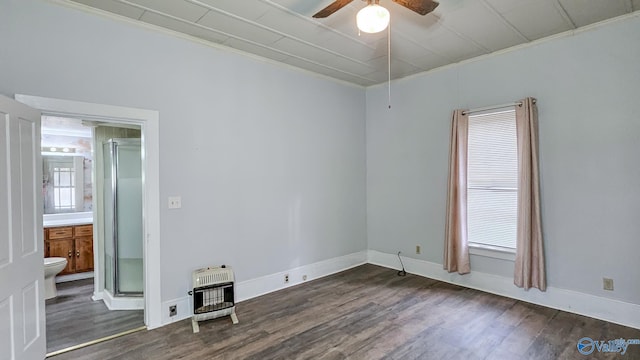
{"x":494,"y":107}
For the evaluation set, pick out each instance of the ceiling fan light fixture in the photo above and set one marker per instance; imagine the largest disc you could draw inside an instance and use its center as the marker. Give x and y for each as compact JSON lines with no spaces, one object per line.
{"x":372,"y":18}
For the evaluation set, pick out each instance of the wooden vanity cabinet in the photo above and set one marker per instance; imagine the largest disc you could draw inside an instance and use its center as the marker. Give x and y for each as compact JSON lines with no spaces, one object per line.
{"x":74,"y":243}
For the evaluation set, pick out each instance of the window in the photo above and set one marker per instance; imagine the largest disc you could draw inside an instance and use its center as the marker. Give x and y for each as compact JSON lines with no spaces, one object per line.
{"x":63,"y":181}
{"x":492,"y":180}
{"x":64,"y":189}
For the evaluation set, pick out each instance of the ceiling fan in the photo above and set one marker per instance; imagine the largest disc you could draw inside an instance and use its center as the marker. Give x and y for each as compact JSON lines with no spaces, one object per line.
{"x":375,"y":18}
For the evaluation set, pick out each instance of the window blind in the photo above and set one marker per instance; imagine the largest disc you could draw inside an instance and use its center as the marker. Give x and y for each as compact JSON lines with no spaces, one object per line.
{"x":492,"y":179}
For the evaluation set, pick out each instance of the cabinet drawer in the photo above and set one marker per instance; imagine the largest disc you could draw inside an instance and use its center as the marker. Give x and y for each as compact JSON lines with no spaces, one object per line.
{"x":60,"y":233}
{"x":83,"y":230}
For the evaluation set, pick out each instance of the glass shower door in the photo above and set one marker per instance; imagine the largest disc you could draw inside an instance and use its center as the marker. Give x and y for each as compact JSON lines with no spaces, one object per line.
{"x":126,"y":230}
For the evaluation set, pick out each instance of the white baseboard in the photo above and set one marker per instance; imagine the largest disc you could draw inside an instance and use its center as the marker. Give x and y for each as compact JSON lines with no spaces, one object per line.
{"x":611,"y":310}
{"x":248,"y":289}
{"x":122,"y":303}
{"x":184,"y":307}
{"x":74,"y":277}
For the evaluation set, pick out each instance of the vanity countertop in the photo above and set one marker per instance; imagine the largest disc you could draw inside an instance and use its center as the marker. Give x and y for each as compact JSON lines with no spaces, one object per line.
{"x":52,"y":220}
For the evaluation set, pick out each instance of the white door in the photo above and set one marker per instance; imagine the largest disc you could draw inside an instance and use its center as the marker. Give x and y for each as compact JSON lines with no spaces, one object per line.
{"x":22,"y":313}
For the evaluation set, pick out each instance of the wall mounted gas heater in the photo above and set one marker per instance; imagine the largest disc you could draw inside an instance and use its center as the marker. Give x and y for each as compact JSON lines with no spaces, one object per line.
{"x":213,"y":295}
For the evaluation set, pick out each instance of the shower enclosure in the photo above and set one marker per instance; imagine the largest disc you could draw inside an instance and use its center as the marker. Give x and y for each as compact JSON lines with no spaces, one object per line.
{"x":123,"y":217}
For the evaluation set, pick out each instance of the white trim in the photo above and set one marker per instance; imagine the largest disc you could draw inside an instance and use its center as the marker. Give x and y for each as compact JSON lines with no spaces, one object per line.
{"x":495,"y":252}
{"x":183,"y":306}
{"x":149,"y":123}
{"x":248,"y":289}
{"x":122,"y":303}
{"x":66,"y":132}
{"x":611,"y":310}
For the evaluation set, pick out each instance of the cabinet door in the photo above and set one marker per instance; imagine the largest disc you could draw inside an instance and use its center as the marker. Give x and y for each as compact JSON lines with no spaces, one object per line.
{"x":62,"y":248}
{"x":84,"y":254}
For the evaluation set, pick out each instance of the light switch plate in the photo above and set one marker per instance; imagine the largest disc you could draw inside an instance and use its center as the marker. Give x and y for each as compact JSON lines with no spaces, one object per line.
{"x":175,"y":202}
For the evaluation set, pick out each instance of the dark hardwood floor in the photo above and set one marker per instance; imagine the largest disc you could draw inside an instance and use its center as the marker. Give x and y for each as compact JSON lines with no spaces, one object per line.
{"x":73,"y":318}
{"x":371,"y":313}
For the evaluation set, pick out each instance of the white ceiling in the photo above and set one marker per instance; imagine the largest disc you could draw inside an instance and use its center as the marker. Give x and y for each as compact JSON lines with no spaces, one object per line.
{"x":53,"y":125}
{"x":284,"y":31}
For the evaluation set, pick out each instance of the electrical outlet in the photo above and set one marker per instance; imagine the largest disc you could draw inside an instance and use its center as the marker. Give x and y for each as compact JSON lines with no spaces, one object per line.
{"x":417,"y":249}
{"x":175,"y":202}
{"x":304,"y":277}
{"x":607,"y":284}
{"x":173,"y":310}
{"x":286,"y":278}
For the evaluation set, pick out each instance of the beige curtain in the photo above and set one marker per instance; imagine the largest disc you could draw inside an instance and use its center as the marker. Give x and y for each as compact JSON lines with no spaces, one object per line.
{"x":529,"y":265}
{"x":456,"y":248}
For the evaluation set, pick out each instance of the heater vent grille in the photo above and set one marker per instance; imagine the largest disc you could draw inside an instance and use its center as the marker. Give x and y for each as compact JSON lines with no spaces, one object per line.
{"x":212,"y":276}
{"x":213,"y":295}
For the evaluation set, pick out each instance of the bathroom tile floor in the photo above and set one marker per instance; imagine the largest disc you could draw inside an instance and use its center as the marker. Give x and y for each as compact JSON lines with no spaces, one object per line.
{"x":73,"y":318}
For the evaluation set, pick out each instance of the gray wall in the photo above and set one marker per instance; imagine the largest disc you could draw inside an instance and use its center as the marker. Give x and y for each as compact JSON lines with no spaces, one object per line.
{"x":588,"y":87}
{"x":269,"y":161}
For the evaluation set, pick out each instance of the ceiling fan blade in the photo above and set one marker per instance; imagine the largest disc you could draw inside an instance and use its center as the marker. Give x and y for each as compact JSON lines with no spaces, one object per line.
{"x":422,"y":7}
{"x":333,"y":7}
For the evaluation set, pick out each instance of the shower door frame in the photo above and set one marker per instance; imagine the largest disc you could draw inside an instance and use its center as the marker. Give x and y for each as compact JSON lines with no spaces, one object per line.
{"x":113,"y":151}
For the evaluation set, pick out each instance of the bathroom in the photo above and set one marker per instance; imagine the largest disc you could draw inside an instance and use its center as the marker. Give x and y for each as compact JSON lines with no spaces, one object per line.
{"x":92,"y":192}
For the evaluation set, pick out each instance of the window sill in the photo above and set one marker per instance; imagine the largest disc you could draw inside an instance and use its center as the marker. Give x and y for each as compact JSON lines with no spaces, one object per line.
{"x":492,"y":252}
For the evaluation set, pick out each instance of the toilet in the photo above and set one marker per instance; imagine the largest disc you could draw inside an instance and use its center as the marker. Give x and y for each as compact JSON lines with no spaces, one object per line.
{"x":52,"y":266}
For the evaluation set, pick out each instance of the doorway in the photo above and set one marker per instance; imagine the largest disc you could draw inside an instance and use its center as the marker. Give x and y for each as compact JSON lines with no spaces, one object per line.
{"x":147,"y":120}
{"x":78,"y":182}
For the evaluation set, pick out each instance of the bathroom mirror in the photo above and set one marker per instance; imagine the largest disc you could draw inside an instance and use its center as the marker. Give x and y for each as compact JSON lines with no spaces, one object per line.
{"x":63,"y":184}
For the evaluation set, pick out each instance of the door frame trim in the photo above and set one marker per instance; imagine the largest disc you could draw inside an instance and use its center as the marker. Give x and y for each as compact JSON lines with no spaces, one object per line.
{"x":148,"y":120}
